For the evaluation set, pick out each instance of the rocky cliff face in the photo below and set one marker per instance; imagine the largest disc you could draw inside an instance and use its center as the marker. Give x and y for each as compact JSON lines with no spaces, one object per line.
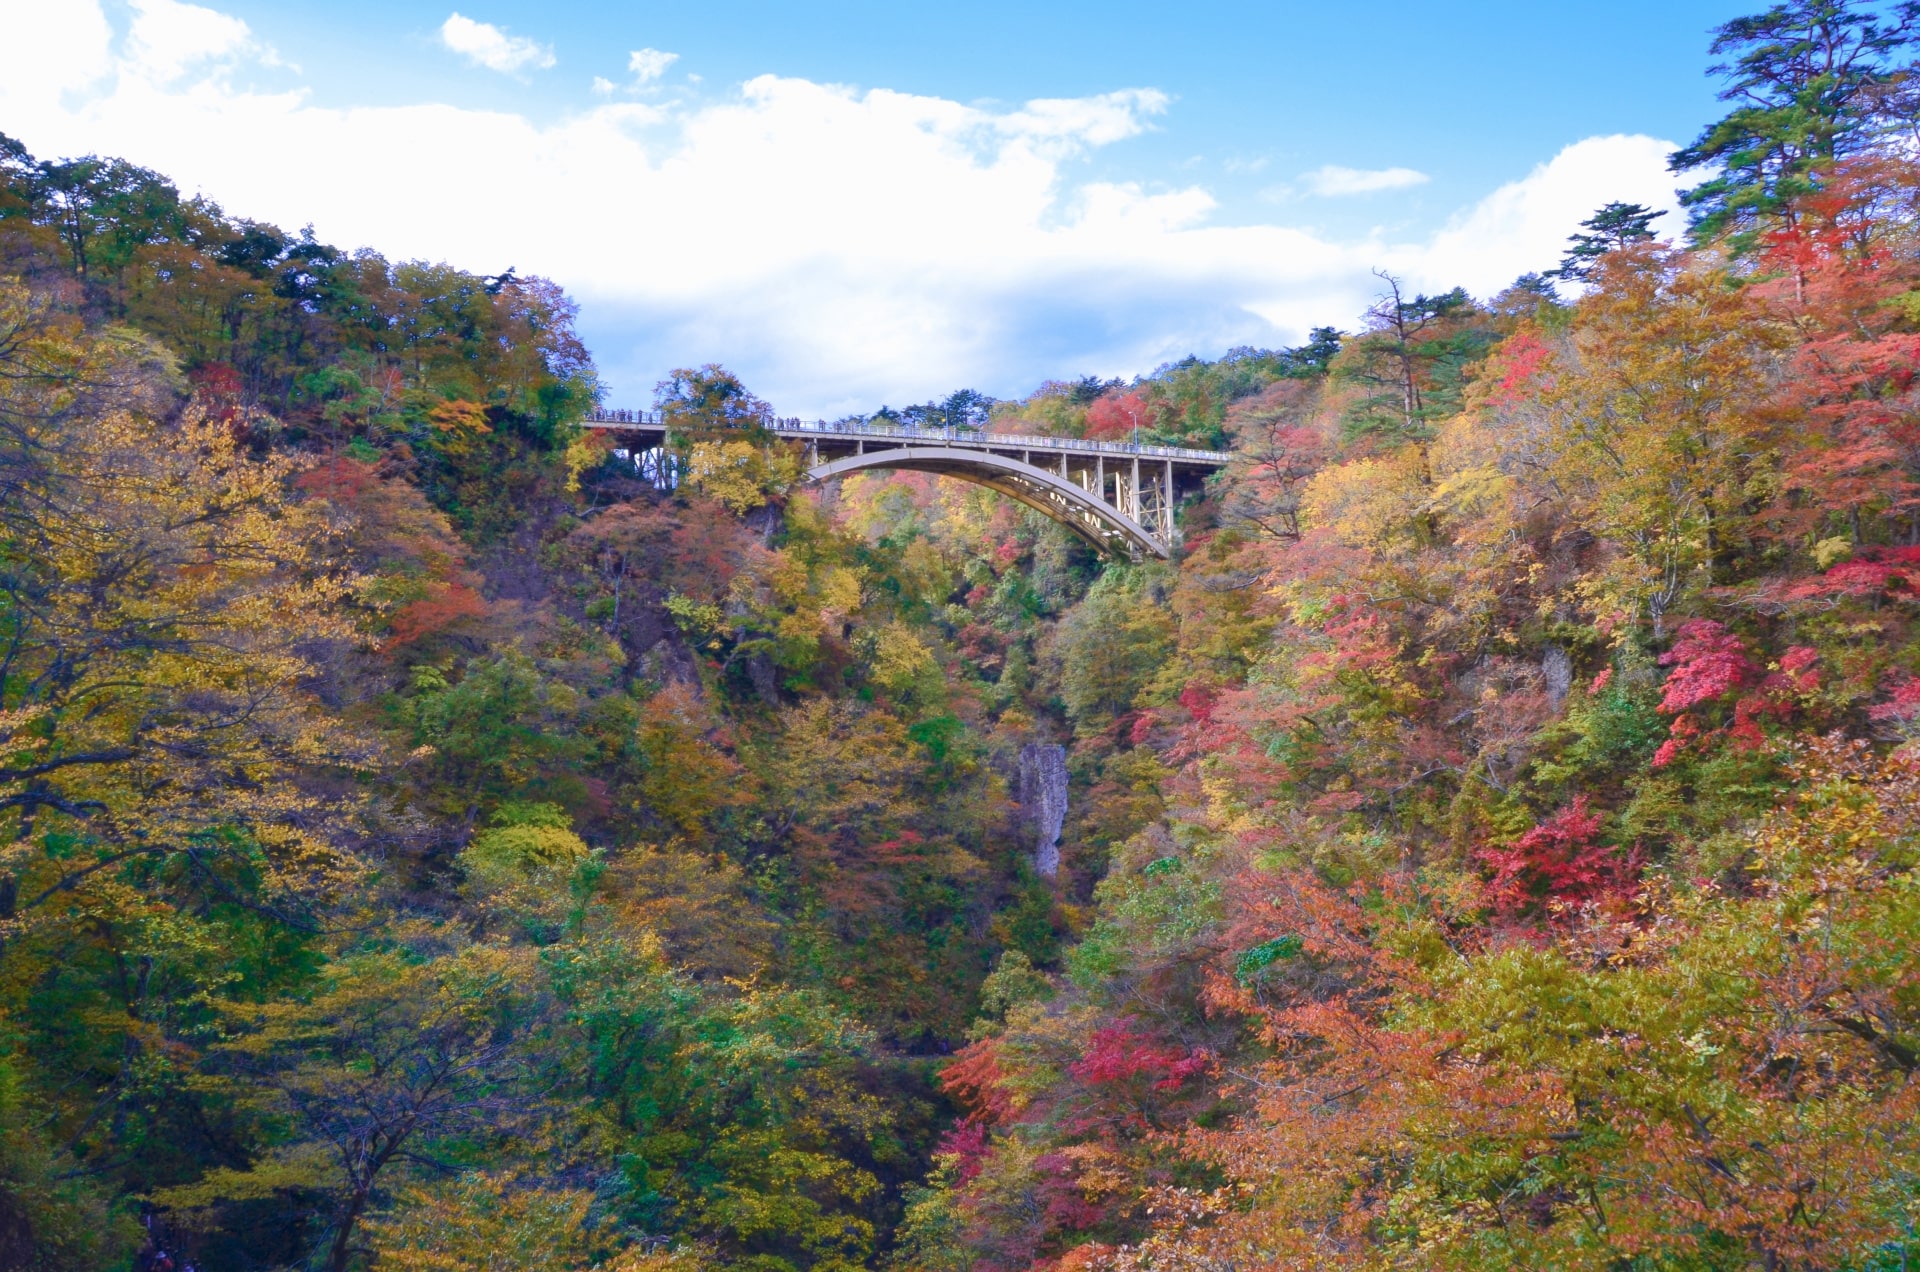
{"x":1043,"y":802}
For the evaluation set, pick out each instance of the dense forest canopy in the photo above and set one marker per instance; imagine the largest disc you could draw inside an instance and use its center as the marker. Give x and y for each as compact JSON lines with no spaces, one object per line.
{"x":1493,"y":841}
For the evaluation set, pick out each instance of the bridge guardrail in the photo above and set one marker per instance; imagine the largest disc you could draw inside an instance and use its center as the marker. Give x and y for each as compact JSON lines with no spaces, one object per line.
{"x":945,"y":436}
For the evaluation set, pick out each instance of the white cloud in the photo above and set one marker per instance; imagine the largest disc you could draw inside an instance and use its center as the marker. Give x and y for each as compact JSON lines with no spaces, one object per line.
{"x":602,"y":86}
{"x":650,"y":64}
{"x":168,"y":38}
{"x":837,"y":247}
{"x":51,"y":49}
{"x":1529,"y":220}
{"x":1333,"y":180}
{"x":487,"y":45}
{"x":1085,"y":121}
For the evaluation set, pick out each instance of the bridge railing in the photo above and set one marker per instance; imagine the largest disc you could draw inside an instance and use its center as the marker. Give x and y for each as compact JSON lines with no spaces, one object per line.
{"x":943,"y":436}
{"x":606,"y":415}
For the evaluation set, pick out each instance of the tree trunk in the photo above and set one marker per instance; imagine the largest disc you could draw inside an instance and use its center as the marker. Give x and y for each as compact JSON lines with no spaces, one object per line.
{"x":342,"y":1248}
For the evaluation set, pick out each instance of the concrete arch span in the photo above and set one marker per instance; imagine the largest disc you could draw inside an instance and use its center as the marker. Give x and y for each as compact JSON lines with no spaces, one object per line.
{"x":1073,"y":506}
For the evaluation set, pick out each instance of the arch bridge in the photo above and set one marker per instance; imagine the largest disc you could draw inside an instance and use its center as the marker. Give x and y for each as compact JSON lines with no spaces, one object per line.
{"x":1119,"y":496}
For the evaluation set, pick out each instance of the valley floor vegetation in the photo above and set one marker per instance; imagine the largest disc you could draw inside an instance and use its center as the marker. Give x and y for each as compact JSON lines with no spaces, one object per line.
{"x":424,"y":844}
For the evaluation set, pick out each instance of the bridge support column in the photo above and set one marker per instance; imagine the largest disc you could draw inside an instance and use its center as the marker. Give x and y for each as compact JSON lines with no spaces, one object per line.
{"x":1124,"y":507}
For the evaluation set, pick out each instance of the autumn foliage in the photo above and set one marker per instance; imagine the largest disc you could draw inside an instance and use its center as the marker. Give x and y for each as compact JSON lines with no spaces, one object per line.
{"x":437,"y":836}
{"x":1530,"y":881}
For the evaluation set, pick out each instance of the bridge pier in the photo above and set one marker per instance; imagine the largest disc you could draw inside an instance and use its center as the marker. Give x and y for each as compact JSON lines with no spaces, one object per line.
{"x":1067,"y":479}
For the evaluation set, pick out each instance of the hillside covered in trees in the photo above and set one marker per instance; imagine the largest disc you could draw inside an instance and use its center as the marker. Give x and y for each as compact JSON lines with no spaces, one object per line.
{"x":1493,"y":840}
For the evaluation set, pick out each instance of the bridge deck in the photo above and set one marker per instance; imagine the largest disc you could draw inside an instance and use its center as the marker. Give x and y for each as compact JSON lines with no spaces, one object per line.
{"x":822,"y":431}
{"x":1121,"y":496}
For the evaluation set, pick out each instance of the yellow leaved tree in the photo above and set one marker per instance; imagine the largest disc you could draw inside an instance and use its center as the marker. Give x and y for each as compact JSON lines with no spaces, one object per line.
{"x":492,"y":1223}
{"x":1648,"y":417}
{"x":166,"y":596}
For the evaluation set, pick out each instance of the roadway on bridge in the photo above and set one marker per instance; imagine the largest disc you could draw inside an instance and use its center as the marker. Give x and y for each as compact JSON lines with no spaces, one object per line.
{"x":1122,"y":497}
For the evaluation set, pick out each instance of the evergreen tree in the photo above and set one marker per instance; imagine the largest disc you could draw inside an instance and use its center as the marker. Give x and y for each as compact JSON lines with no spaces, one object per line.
{"x":1809,"y":81}
{"x":1612,"y":227}
{"x":1312,"y":357}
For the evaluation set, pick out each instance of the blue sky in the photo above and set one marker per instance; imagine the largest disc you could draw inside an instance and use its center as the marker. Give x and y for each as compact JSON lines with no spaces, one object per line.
{"x":1472,"y":94}
{"x":856,"y":202}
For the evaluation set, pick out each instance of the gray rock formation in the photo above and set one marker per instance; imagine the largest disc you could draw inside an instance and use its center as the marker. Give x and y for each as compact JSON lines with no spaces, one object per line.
{"x":1557,"y":670}
{"x":1043,"y":802}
